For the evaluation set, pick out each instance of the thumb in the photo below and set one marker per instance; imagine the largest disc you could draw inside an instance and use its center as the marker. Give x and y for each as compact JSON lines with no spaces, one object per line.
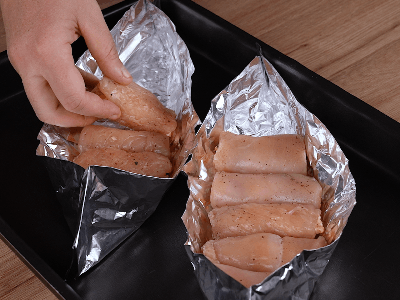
{"x":101,"y":45}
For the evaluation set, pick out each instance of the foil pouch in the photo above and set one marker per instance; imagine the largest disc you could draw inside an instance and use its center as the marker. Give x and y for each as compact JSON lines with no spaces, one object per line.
{"x":259,"y":103}
{"x":104,"y":205}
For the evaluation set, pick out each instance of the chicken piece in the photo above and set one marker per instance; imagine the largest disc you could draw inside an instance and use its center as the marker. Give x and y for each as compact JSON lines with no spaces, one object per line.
{"x":246,"y":259}
{"x":293,"y":246}
{"x":282,"y":219}
{"x":245,"y":277}
{"x":73,"y":134}
{"x":236,"y":188}
{"x":95,"y":136}
{"x":260,"y":252}
{"x":140,"y":109}
{"x":284,"y":153}
{"x":146,"y":163}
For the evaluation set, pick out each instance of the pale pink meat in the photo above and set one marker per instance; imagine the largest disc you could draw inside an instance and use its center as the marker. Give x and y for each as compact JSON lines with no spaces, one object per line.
{"x":261,"y":252}
{"x":140,"y":109}
{"x":237,"y":188}
{"x":250,"y":259}
{"x":284,"y":153}
{"x":293,"y":246}
{"x":95,"y":136}
{"x":145,"y":163}
{"x":283,"y":219}
{"x":245,"y":277}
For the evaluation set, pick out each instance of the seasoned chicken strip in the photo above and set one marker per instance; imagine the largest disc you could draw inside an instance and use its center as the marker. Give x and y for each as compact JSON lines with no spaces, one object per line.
{"x":293,"y":246}
{"x":284,"y":153}
{"x":95,"y":136}
{"x":261,"y":252}
{"x":245,"y":277}
{"x":140,"y":109}
{"x":248,"y":259}
{"x":282,"y":219}
{"x":146,"y":163}
{"x":236,"y":188}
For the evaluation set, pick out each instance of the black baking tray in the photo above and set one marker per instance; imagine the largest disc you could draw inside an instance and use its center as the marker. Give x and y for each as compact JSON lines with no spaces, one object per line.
{"x":152,"y":263}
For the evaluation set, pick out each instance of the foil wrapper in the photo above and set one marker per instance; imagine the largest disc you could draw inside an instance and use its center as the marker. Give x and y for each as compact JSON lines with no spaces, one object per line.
{"x":104,"y":205}
{"x":259,"y":103}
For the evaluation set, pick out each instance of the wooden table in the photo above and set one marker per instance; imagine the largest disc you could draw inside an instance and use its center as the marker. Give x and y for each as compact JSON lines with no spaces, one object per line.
{"x":355,"y":44}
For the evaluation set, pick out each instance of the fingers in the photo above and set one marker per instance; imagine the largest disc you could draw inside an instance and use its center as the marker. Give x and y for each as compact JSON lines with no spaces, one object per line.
{"x":101,"y":45}
{"x":47,"y":107}
{"x":68,"y":85}
{"x":59,"y":95}
{"x":41,"y":39}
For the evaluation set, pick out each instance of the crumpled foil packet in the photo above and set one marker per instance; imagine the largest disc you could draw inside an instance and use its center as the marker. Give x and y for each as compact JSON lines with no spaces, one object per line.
{"x":103,"y":205}
{"x":259,"y":103}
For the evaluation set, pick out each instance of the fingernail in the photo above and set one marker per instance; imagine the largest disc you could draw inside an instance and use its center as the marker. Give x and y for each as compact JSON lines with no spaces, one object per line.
{"x":114,"y":117}
{"x":125,"y":72}
{"x":115,"y":114}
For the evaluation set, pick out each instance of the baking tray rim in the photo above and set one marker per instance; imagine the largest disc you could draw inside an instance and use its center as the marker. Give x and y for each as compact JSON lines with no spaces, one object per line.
{"x":53,"y":281}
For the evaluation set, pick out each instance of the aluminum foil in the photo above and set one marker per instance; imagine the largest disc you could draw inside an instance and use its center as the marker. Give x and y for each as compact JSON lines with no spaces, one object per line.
{"x":103,"y":205}
{"x":259,"y":103}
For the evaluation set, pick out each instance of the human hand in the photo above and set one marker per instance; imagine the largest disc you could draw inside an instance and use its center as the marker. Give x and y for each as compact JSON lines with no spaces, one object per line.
{"x":39,"y":37}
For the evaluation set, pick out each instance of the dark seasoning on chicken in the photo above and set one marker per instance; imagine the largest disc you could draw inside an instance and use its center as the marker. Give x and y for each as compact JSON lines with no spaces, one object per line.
{"x":133,"y":151}
{"x":249,"y":236}
{"x":261,"y":220}
{"x":123,"y":168}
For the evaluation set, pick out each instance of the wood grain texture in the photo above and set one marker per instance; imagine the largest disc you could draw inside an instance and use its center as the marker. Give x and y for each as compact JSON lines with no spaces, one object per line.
{"x":17,"y":281}
{"x":355,"y":44}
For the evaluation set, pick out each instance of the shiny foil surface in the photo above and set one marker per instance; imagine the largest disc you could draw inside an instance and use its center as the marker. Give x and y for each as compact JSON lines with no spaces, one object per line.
{"x":259,"y":103}
{"x":103,"y":205}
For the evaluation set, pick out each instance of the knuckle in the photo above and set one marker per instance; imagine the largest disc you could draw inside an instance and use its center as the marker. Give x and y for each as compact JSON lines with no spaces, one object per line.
{"x":109,"y":54}
{"x":46,"y":118}
{"x":12,"y":52}
{"x":45,"y":42}
{"x":73,"y":103}
{"x":15,"y":53}
{"x":26,"y":49}
{"x":43,"y":47}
